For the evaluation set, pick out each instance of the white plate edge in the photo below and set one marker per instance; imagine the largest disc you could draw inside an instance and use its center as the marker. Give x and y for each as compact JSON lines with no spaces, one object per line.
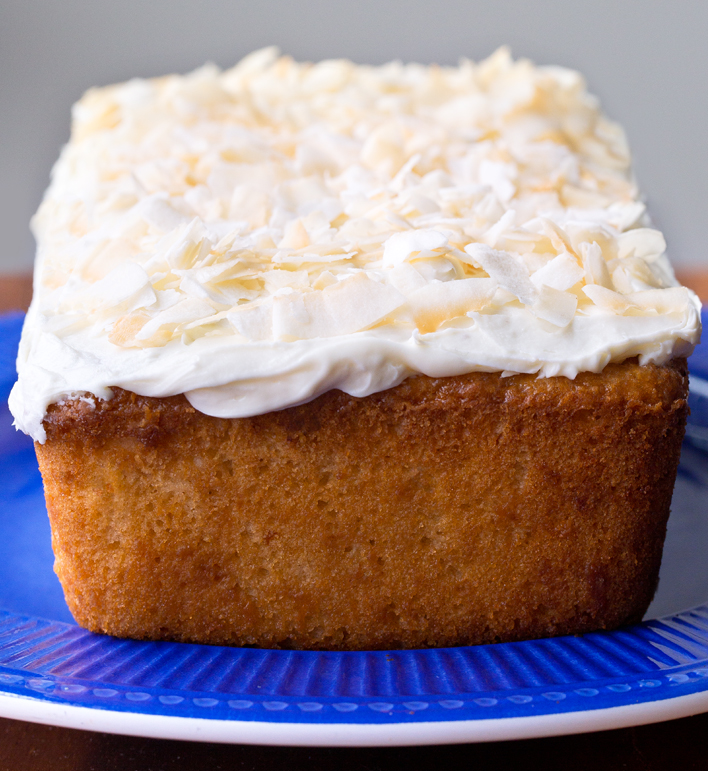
{"x":348,"y":735}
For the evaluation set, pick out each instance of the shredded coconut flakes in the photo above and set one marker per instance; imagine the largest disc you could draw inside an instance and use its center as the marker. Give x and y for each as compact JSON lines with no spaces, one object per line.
{"x":285,"y":201}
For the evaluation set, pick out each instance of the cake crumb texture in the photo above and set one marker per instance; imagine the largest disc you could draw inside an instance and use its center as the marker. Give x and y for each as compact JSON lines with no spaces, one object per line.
{"x":462,"y":510}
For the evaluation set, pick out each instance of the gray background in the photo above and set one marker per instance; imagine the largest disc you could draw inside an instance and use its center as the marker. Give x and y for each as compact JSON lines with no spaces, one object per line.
{"x":646,"y":59}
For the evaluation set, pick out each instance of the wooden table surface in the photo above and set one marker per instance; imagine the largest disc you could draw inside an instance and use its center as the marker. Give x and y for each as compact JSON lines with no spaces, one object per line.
{"x":678,"y":744}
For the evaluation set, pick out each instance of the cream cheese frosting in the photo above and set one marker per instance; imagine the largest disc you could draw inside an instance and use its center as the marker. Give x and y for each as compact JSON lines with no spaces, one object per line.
{"x":255,"y":237}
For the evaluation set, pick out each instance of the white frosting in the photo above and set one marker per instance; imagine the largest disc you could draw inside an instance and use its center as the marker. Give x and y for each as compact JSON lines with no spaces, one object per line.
{"x":256,"y":237}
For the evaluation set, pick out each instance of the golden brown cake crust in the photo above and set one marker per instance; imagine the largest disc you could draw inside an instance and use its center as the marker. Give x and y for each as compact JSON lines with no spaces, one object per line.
{"x":449,"y":511}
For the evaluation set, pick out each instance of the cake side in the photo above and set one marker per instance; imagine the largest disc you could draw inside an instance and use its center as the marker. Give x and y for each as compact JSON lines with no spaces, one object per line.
{"x":451,"y":511}
{"x":419,"y":253}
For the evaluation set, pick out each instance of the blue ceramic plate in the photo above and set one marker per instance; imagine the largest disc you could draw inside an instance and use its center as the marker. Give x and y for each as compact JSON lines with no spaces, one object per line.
{"x":52,"y":671}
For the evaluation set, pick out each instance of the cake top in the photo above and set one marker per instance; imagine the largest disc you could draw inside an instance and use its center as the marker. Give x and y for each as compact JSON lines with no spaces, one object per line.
{"x":258,"y":236}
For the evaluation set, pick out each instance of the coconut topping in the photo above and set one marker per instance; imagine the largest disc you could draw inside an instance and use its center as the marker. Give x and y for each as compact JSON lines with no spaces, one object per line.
{"x":257,"y":236}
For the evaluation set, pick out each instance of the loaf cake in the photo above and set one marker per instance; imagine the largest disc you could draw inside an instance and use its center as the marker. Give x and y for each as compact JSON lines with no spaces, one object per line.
{"x":341,"y":357}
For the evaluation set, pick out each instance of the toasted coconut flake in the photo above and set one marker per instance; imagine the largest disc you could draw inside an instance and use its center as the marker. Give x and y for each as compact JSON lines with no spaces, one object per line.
{"x":670,"y":300}
{"x":311,"y":257}
{"x":622,"y":281}
{"x":295,"y":237}
{"x":406,"y":279}
{"x":324,"y":280}
{"x":645,"y":243}
{"x":194,"y":289}
{"x":596,"y":271}
{"x":607,"y":299}
{"x":125,"y":288}
{"x":500,"y":177}
{"x":505,"y":223}
{"x":163,"y":325}
{"x":341,"y":309}
{"x":555,"y":306}
{"x":587,"y":233}
{"x":126,"y":328}
{"x":560,"y":273}
{"x":506,"y":270}
{"x":158,"y":212}
{"x":278,"y":279}
{"x":254,"y":321}
{"x":433,"y":304}
{"x":402,"y":246}
{"x":642,"y":272}
{"x":559,"y":238}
